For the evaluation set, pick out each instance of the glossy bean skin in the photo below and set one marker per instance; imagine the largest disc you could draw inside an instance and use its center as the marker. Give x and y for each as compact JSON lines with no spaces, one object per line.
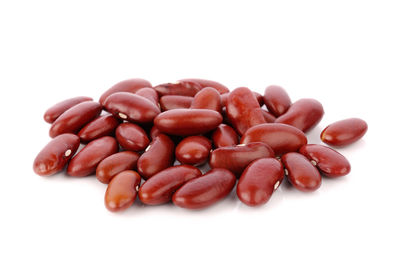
{"x":171,"y":102}
{"x":131,"y":137}
{"x":260,"y":98}
{"x":86,"y":161}
{"x":204,"y":83}
{"x":182,"y":88}
{"x":114,"y":164}
{"x":224,"y":99}
{"x":154,"y":132}
{"x":304,"y":114}
{"x":224,"y":136}
{"x":329,"y":162}
{"x":131,"y":107}
{"x":206,"y":190}
{"x":128,"y":85}
{"x":73,"y":119}
{"x":243,"y":110}
{"x":187,"y":122}
{"x":193,"y":150}
{"x":58,"y":109}
{"x":300,"y":172}
{"x":122,"y":191}
{"x":157,"y":157}
{"x":269,"y":118}
{"x":56,"y":154}
{"x":207,"y":98}
{"x":236,"y":158}
{"x":344,"y":132}
{"x":100,"y":127}
{"x":150,"y":94}
{"x":277,"y":100}
{"x":259,"y":180}
{"x":159,"y":188}
{"x":281,"y":137}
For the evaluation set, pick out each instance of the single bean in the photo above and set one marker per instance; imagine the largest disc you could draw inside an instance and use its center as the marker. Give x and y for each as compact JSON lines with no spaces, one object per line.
{"x":344,"y":132}
{"x":224,"y":99}
{"x":131,"y":137}
{"x":224,"y":136}
{"x":58,"y":109}
{"x":277,"y":100}
{"x":100,"y":127}
{"x":204,"y":83}
{"x":193,"y":150}
{"x":150,"y":94}
{"x":207,"y":98}
{"x":182,"y":88}
{"x":116,"y":163}
{"x":154,"y":132}
{"x":269,"y":118}
{"x":171,"y":102}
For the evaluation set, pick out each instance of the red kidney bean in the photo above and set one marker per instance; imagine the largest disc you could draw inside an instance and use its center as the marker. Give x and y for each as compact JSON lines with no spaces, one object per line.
{"x":224,"y":99}
{"x":300,"y":172}
{"x":114,"y":164}
{"x":260,"y":98}
{"x":183,"y":88}
{"x":344,"y":132}
{"x":171,"y":102}
{"x":159,"y":188}
{"x":150,"y":94}
{"x":207,"y":98}
{"x":281,"y":137}
{"x":131,"y":137}
{"x":58,"y":109}
{"x":187,"y":122}
{"x":269,"y":118}
{"x":193,"y":150}
{"x":236,"y":158}
{"x":204,"y":83}
{"x":72,"y":120}
{"x":100,"y":127}
{"x":277,"y":100}
{"x":157,"y":157}
{"x":122,"y":191}
{"x":243,"y":110}
{"x":56,"y":154}
{"x":86,"y":161}
{"x":259,"y":180}
{"x":205,"y":190}
{"x":330,"y":162}
{"x":224,"y":136}
{"x":154,"y":132}
{"x":129,"y":85}
{"x":304,"y":114}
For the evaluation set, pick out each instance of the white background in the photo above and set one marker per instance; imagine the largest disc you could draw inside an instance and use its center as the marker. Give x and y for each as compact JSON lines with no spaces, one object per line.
{"x":346,"y":54}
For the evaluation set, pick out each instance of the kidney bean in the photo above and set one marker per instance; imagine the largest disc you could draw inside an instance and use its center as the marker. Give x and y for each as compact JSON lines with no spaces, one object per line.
{"x":114,"y":164}
{"x":193,"y":150}
{"x":207,"y":98}
{"x":260,"y":98}
{"x":224,"y":136}
{"x":56,"y":154}
{"x":182,"y":88}
{"x":330,"y":162}
{"x":100,"y":127}
{"x":206,"y":190}
{"x":131,"y":137}
{"x":129,"y":85}
{"x":281,"y":137}
{"x":159,"y":188}
{"x":158,"y":156}
{"x":236,"y":158}
{"x":72,"y":120}
{"x":277,"y":100}
{"x":171,"y":102}
{"x":259,"y":180}
{"x":300,"y":172}
{"x":269,"y":118}
{"x":304,"y":114}
{"x":86,"y":161}
{"x":187,"y":122}
{"x":122,"y":191}
{"x":204,"y":83}
{"x":243,"y":110}
{"x":344,"y":132}
{"x":58,"y":109}
{"x":154,"y":132}
{"x":150,"y":94}
{"x":224,"y":99}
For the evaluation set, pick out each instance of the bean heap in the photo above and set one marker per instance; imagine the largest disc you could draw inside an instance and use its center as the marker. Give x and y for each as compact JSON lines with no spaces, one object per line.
{"x":194,"y":121}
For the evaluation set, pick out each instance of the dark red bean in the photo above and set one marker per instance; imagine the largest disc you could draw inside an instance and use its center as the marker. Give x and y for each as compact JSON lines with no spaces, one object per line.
{"x":224,"y":136}
{"x":207,"y":98}
{"x":193,"y":150}
{"x":304,"y":114}
{"x":154,"y":132}
{"x":58,"y":109}
{"x":131,"y":137}
{"x":187,"y":122}
{"x":269,"y":118}
{"x":206,"y":190}
{"x":330,"y":162}
{"x":236,"y":158}
{"x":56,"y":154}
{"x":159,"y":188}
{"x":122,"y":191}
{"x":260,"y":98}
{"x":243,"y":110}
{"x":277,"y":100}
{"x":183,"y":88}
{"x":150,"y":94}
{"x":114,"y":164}
{"x":171,"y":102}
{"x":204,"y":83}
{"x":344,"y":132}
{"x":73,"y":119}
{"x":259,"y":180}
{"x":100,"y":127}
{"x":157,"y":157}
{"x":281,"y":137}
{"x":300,"y":172}
{"x":129,"y":85}
{"x":86,"y":161}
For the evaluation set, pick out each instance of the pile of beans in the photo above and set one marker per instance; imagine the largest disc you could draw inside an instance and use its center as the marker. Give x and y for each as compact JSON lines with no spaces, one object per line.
{"x":195,"y":121}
